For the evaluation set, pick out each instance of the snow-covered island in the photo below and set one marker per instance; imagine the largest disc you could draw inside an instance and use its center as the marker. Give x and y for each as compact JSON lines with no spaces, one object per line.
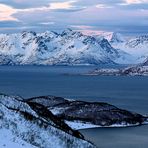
{"x":129,"y":71}
{"x":138,"y":70}
{"x":49,"y":121}
{"x":81,"y":114}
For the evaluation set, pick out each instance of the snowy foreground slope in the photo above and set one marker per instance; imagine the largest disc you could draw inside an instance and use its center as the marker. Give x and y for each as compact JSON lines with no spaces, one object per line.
{"x":52,"y":122}
{"x":80,"y":114}
{"x":21,"y":126}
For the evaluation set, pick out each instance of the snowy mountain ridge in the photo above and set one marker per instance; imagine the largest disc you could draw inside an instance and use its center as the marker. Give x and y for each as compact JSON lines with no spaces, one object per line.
{"x":50,"y":48}
{"x":70,"y":48}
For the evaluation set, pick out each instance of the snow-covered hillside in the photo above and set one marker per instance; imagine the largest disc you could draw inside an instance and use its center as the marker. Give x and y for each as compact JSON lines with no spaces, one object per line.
{"x":22,"y":127}
{"x":50,"y":48}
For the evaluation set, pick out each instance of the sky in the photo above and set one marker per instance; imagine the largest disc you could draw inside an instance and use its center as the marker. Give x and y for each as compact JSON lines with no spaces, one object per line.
{"x":89,"y":16}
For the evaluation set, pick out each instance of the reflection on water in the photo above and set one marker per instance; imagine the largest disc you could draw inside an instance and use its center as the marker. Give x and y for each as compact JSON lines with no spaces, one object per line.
{"x":125,"y":92}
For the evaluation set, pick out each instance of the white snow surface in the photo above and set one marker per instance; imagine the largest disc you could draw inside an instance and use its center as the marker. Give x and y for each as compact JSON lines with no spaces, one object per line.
{"x":81,"y":125}
{"x":8,"y":140}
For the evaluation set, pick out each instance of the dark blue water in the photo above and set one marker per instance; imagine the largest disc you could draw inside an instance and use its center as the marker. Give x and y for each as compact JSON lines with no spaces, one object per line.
{"x":126,"y":92}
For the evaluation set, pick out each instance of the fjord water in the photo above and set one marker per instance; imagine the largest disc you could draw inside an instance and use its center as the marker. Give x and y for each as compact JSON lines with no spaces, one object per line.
{"x":125,"y":92}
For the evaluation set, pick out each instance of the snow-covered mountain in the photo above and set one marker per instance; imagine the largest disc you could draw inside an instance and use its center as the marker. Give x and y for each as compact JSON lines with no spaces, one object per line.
{"x":31,"y":126}
{"x":71,"y":48}
{"x":50,"y":48}
{"x":112,"y":37}
{"x":137,"y":47}
{"x":117,"y":38}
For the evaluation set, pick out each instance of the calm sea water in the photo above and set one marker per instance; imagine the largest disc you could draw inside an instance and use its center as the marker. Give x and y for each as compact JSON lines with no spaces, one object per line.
{"x":125,"y":92}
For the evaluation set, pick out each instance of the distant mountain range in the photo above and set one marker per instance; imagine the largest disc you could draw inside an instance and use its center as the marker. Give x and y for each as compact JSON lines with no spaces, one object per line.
{"x":71,"y":48}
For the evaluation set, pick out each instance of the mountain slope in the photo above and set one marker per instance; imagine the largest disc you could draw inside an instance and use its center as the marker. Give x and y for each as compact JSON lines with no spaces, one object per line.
{"x":21,"y":126}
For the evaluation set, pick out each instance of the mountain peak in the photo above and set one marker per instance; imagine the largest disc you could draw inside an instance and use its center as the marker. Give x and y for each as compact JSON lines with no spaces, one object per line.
{"x":71,"y":33}
{"x":67,"y":31}
{"x":117,"y":38}
{"x":48,"y":34}
{"x":28,"y":33}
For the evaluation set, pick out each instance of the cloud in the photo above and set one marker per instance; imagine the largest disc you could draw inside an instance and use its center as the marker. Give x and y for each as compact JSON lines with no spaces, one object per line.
{"x":40,"y":4}
{"x":62,"y":5}
{"x":94,"y":32}
{"x":86,"y":15}
{"x":6,"y":13}
{"x":23,"y":4}
{"x":130,"y":2}
{"x":47,"y":23}
{"x":102,"y":6}
{"x":88,"y":30}
{"x":83,"y":27}
{"x":53,"y":6}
